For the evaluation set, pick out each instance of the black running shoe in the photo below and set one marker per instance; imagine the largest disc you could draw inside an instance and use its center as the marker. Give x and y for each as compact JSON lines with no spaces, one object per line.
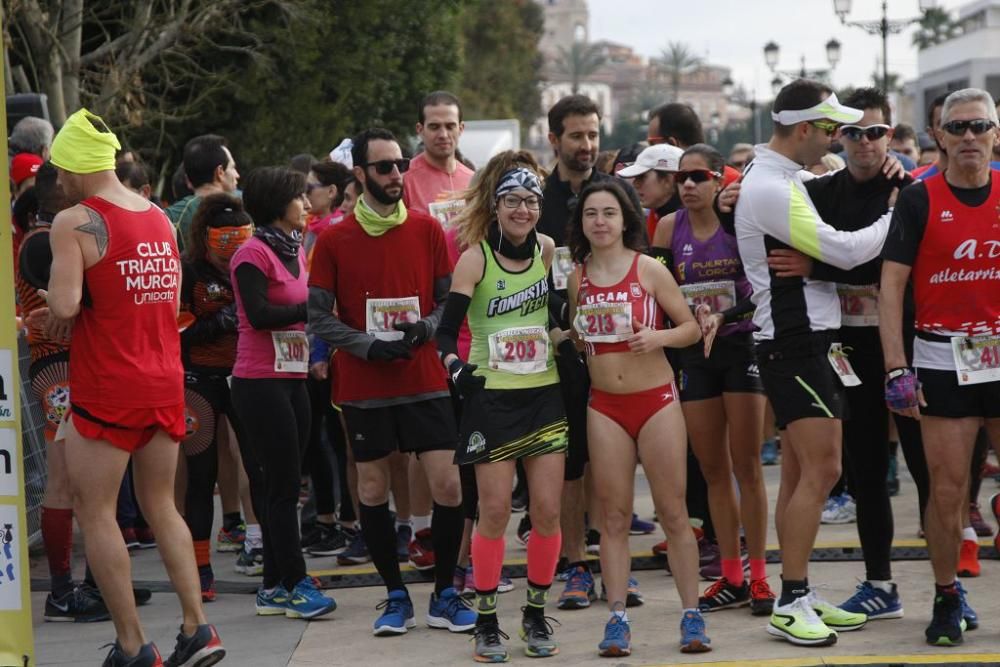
{"x":148,"y":656}
{"x":723,"y":595}
{"x":201,"y":649}
{"x":946,"y":623}
{"x":76,"y":606}
{"x":332,"y":542}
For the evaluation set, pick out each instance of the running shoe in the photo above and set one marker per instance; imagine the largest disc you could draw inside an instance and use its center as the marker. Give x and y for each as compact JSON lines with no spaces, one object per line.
{"x":708,"y":552}
{"x":660,"y":549}
{"x":874,"y":602}
{"x":250,"y":563}
{"x":273,"y":603}
{"x":580,"y":590}
{"x":593,"y":540}
{"x":834,"y":617}
{"x":524,"y":529}
{"x":990,"y":470}
{"x":641,"y":527}
{"x":839,"y":510}
{"x":404,"y":533}
{"x":712,"y":570}
{"x":536,"y":632}
{"x":459,"y":578}
{"x":141,"y":596}
{"x":796,"y":622}
{"x":398,"y":615}
{"x":761,"y":598}
{"x":617,"y":642}
{"x":693,"y":637}
{"x":448,"y":610}
{"x":946,"y":624}
{"x":519,"y":498}
{"x":307,"y":601}
{"x":724,"y":595}
{"x":332,"y":541}
{"x":563,"y":570}
{"x":995,"y":508}
{"x":506,"y":584}
{"x":968,"y":559}
{"x":969,"y":615}
{"x":422,"y":550}
{"x":633,"y":597}
{"x":201,"y":649}
{"x":982,"y":528}
{"x":311,"y":533}
{"x":356,"y":552}
{"x":76,"y":606}
{"x":131,"y":539}
{"x":207,"y":578}
{"x":769,"y":452}
{"x":892,"y":478}
{"x":148,"y":656}
{"x":146,"y":538}
{"x":489,"y":642}
{"x":231,"y":540}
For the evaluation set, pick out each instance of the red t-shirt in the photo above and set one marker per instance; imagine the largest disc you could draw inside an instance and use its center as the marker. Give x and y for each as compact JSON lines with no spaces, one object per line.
{"x":403,"y":262}
{"x":126,"y":348}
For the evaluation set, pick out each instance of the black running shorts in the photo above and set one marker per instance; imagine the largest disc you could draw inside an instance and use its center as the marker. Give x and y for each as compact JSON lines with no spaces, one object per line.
{"x":946,"y":398}
{"x":419,"y":427}
{"x":730,"y":368}
{"x":798,"y":378}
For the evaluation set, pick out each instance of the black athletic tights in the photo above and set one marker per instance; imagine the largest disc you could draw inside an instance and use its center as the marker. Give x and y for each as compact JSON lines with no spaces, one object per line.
{"x":275,"y":417}
{"x":322,"y":457}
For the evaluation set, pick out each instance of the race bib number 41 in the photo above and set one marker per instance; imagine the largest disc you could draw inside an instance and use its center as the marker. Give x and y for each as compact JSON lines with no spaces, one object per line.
{"x":858,"y":305}
{"x":604,"y":322}
{"x":520,"y":350}
{"x":381,"y":316}
{"x":291,"y":351}
{"x":977,"y":358}
{"x":719,"y":295}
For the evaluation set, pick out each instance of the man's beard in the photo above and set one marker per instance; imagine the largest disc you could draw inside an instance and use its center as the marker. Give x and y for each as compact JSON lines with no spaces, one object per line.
{"x":380,"y":195}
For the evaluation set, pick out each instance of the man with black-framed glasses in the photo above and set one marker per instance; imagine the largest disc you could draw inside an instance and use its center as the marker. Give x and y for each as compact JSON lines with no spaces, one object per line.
{"x":386,"y":271}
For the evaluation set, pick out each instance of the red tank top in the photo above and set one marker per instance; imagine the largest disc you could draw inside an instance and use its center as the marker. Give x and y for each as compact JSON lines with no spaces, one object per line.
{"x":126,"y":349}
{"x":956,"y":279}
{"x":627,"y":290}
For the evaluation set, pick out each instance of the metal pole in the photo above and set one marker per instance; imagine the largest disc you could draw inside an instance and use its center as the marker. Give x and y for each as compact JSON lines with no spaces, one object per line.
{"x":885,"y":47}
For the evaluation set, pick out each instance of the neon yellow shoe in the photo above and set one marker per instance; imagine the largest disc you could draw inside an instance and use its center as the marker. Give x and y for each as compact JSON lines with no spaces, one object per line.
{"x":796,"y":622}
{"x":835,"y":617}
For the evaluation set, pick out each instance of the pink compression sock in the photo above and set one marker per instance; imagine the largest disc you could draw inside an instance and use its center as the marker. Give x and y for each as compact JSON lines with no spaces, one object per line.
{"x":543,"y":554}
{"x":758,"y":569}
{"x":487,"y":559}
{"x":732,"y":570}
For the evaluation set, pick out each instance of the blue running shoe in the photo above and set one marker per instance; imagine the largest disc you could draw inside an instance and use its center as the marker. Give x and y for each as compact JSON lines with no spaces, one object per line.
{"x":398,"y":615}
{"x":580,"y":590}
{"x":874,"y":602}
{"x":640,"y":527}
{"x":969,"y":614}
{"x":449,"y":610}
{"x":769,"y":452}
{"x":617,"y":642}
{"x":693,"y":637}
{"x":307,"y":601}
{"x":272,"y":604}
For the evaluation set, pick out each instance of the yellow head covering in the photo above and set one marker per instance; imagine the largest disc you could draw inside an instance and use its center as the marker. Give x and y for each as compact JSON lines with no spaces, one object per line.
{"x":84,"y":145}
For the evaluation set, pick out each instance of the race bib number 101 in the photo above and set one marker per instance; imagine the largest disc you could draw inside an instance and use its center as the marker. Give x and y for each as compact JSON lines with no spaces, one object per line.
{"x":381,"y":316}
{"x":291,"y":351}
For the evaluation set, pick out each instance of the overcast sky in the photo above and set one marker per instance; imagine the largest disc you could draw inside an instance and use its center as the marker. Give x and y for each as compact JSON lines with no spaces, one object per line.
{"x":733,"y":33}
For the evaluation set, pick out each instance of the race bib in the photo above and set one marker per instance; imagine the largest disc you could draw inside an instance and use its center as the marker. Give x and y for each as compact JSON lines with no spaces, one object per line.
{"x":382,"y":314}
{"x":446,"y":211}
{"x":562,"y":267}
{"x":977,"y":358}
{"x":842,"y":366}
{"x":520,"y":350}
{"x":291,"y":351}
{"x":604,"y":322}
{"x":718,"y":295}
{"x":858,"y":305}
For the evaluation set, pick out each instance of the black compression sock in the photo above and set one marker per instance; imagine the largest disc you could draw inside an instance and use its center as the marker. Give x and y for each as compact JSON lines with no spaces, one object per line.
{"x":379,"y":532}
{"x":792,"y":589}
{"x":447,"y":524}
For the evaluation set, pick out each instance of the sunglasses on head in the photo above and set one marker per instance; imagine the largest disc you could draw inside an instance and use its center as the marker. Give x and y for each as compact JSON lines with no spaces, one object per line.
{"x":312,"y":186}
{"x":872,"y":132}
{"x":827,"y":126}
{"x":959,"y":127}
{"x":384,"y":167}
{"x":697,"y":176}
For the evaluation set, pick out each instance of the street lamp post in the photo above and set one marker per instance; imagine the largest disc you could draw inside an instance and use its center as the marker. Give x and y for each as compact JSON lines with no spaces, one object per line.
{"x":772,"y":51}
{"x":883,"y":27}
{"x":728,"y":87}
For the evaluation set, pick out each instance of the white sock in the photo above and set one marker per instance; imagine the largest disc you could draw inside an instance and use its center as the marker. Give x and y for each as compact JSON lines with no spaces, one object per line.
{"x":692,"y":609}
{"x":881,"y":585}
{"x":621,"y":615}
{"x":254,"y":540}
{"x":420,"y":522}
{"x":969,"y":533}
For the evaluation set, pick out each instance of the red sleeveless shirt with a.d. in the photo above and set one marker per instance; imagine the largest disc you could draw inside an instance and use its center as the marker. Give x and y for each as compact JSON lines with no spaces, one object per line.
{"x":126,"y":349}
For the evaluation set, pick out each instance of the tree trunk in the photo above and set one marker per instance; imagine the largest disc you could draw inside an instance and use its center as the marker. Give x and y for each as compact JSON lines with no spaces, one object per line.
{"x":50,"y":80}
{"x":71,"y":33}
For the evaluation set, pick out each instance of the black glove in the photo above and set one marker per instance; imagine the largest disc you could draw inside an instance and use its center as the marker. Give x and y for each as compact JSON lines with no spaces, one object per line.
{"x":388,"y":350}
{"x":461,"y":374}
{"x":414,"y":333}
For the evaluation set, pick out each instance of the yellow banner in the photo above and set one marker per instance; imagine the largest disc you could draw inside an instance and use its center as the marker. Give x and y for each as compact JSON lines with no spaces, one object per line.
{"x":16,"y":641}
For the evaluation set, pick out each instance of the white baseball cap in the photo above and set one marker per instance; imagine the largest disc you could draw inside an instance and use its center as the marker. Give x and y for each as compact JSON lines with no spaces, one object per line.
{"x":661,"y":157}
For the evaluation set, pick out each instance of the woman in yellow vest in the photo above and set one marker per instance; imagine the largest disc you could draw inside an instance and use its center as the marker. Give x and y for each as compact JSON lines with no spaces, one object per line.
{"x":512,"y":406}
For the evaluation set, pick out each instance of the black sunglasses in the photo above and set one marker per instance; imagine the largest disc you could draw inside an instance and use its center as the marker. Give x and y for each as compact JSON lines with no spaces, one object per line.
{"x":697,"y":176}
{"x":384,"y":167}
{"x":978,"y":126}
{"x":872,"y":132}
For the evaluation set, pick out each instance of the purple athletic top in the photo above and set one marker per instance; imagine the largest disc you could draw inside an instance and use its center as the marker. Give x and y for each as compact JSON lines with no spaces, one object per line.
{"x":710,"y":271}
